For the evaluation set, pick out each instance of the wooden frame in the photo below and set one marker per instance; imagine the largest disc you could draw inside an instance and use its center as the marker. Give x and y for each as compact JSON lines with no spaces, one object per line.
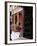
{"x":6,"y":41}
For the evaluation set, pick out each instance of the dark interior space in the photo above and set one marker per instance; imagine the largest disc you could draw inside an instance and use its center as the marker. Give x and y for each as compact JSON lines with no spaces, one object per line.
{"x":28,"y":22}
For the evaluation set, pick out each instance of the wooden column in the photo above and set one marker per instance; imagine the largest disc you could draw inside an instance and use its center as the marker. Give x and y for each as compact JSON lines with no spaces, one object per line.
{"x":17,"y":19}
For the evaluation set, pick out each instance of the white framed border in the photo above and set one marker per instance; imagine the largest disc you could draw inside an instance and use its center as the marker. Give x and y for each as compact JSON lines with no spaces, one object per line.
{"x":8,"y":23}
